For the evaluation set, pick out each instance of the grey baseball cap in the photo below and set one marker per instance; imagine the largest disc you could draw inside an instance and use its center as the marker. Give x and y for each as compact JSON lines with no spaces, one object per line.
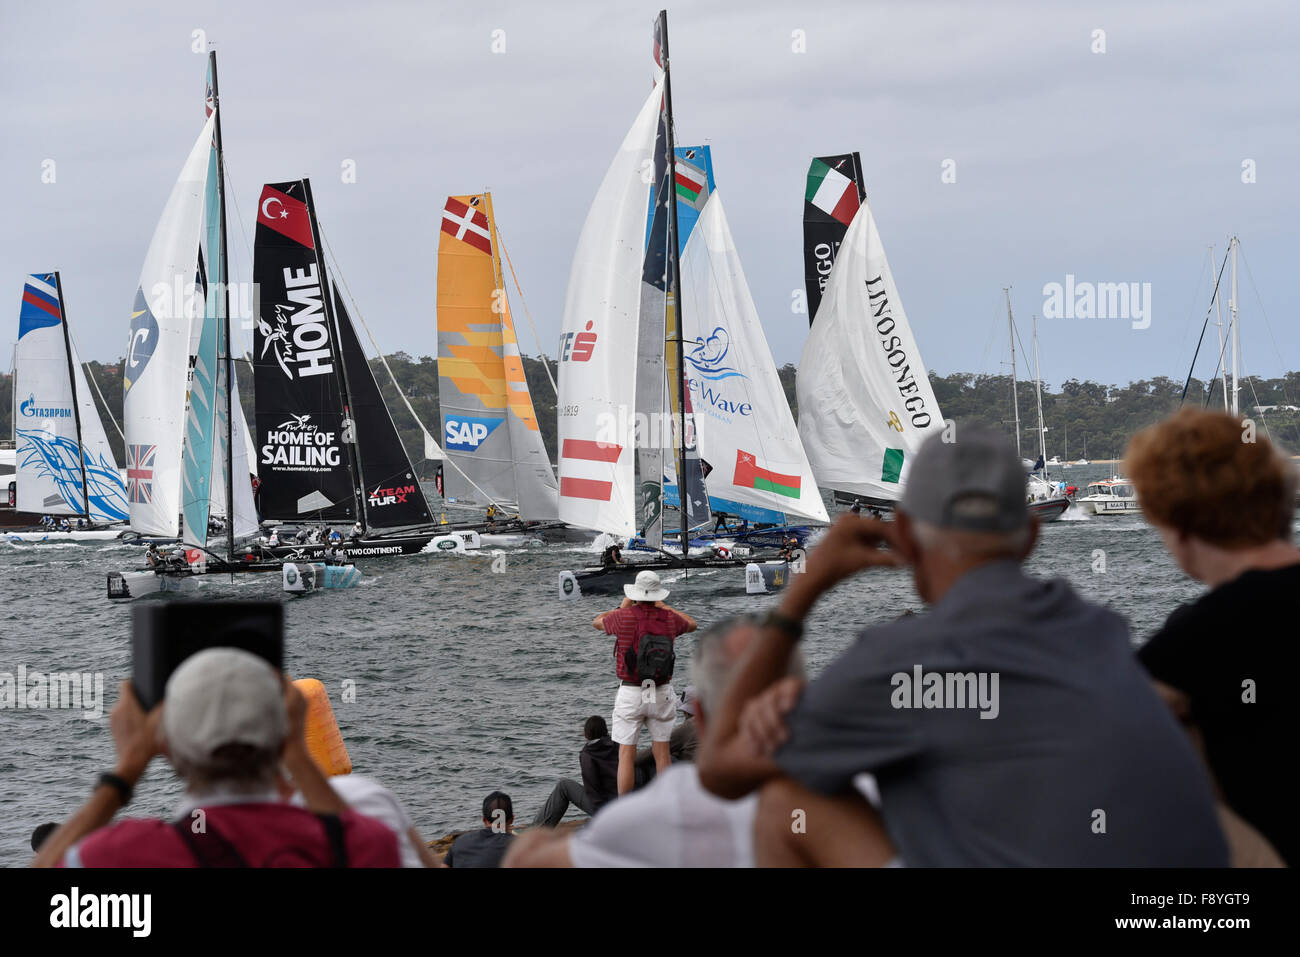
{"x":975,"y":483}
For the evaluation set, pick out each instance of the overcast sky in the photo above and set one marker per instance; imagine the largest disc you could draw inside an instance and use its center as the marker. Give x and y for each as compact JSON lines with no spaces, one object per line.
{"x":1122,"y":166}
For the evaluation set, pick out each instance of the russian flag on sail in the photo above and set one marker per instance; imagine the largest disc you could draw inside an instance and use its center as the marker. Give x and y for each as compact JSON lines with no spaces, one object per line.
{"x":588,"y":459}
{"x":40,"y":306}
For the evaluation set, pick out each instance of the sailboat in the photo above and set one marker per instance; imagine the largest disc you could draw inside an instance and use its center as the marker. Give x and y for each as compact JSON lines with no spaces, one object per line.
{"x":185,"y":432}
{"x":1046,"y":499}
{"x":865,"y":401}
{"x":630,"y":409}
{"x":63,"y":465}
{"x":328,"y":451}
{"x":490,"y":430}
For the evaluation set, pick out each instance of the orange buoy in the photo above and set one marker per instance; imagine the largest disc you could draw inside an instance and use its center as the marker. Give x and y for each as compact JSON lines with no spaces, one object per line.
{"x":324,"y":740}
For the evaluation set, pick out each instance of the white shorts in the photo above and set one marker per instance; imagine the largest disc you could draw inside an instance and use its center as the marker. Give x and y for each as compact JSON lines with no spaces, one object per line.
{"x":635,"y":706}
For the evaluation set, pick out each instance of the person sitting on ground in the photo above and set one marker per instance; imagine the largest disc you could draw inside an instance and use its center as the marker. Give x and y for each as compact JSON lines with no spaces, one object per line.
{"x":673,"y":821}
{"x":1224,"y":508}
{"x":644,"y":669}
{"x":41,"y":833}
{"x":612,"y":555}
{"x":1011,"y":725}
{"x":488,"y":845}
{"x":228,"y":724}
{"x":681,"y":743}
{"x":599,"y":763}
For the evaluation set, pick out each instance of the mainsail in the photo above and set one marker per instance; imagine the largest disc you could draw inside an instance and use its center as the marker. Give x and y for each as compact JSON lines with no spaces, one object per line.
{"x":865,"y":402}
{"x":489,"y":426}
{"x":746,"y":432}
{"x":304,"y":439}
{"x":64,"y":463}
{"x":834,"y":190}
{"x":598,"y":344}
{"x":157,"y":357}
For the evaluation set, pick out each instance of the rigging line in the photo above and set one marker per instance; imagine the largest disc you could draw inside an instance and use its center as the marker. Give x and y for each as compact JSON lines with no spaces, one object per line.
{"x":356,"y":311}
{"x":1264,"y":315}
{"x":93,"y":381}
{"x":243,"y":234}
{"x":1210,"y":308}
{"x":524,"y":302}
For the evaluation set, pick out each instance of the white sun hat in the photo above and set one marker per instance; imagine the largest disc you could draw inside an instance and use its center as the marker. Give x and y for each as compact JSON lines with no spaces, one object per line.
{"x":648,"y":587}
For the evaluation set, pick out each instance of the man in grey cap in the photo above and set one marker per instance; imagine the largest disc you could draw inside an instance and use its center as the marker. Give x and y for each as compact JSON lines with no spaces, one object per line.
{"x":1008,"y":726}
{"x":644,"y":628}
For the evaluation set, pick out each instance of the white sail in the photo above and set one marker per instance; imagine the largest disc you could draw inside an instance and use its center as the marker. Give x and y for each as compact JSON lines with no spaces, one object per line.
{"x":598,"y":345}
{"x":865,"y":402}
{"x":57,"y":470}
{"x":742,"y":418}
{"x":157,"y":359}
{"x":243,"y":468}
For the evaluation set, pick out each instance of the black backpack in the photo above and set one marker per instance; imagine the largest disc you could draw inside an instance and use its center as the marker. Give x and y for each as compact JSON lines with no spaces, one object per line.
{"x":651,"y":658}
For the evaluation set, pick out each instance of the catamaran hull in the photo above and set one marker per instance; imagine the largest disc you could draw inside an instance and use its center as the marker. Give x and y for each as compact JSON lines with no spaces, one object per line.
{"x":83,"y":535}
{"x":305,"y":579}
{"x":610,"y":580}
{"x":125,"y":586}
{"x":764,"y":578}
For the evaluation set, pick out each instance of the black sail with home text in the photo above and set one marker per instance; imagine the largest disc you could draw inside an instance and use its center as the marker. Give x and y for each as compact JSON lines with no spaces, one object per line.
{"x":303,"y":436}
{"x":391,"y":494}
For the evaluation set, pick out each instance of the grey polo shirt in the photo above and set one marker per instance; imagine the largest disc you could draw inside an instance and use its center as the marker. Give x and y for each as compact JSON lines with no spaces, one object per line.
{"x":1077,"y":762}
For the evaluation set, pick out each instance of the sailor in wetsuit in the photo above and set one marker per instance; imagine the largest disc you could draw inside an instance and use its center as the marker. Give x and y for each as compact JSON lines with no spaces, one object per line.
{"x":491,"y":513}
{"x":613,"y":555}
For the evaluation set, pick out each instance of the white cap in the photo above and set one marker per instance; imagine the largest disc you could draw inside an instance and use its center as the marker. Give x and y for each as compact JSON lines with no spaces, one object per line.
{"x":648,"y":587}
{"x":223,"y":696}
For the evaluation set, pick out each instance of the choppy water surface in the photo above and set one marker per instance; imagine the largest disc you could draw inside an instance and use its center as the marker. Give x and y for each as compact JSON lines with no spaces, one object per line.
{"x":467,"y":681}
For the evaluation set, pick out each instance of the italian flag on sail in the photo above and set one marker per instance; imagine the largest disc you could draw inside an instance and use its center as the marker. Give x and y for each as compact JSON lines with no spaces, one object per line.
{"x":832,"y":192}
{"x":749,"y":474}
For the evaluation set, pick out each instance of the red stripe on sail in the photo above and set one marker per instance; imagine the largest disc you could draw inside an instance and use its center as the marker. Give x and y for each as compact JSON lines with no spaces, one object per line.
{"x":286,"y":215}
{"x":590,"y":451}
{"x":748,"y":470}
{"x":43,"y":304}
{"x":586,"y":488}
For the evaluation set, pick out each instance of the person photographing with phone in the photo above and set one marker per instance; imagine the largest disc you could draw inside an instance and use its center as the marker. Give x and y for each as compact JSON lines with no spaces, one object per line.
{"x":229,"y":725}
{"x":644,"y":629}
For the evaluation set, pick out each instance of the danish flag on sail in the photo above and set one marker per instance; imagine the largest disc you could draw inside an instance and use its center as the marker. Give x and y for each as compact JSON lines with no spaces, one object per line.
{"x":588,"y":459}
{"x":466,"y":224}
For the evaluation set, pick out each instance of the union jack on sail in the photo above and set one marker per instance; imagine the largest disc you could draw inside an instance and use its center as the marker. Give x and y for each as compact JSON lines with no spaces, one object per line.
{"x":139,"y":472}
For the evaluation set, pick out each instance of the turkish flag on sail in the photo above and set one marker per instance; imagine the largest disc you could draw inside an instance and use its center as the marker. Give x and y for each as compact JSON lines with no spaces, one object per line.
{"x":286,"y":215}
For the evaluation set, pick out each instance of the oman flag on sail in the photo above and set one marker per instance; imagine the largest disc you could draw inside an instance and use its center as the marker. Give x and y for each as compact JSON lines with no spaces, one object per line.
{"x":832,"y":192}
{"x":749,"y":474}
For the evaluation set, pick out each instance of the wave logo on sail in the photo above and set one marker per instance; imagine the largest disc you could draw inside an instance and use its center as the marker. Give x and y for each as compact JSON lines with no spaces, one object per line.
{"x":708,"y":356}
{"x":144,"y":339}
{"x":466,"y":433}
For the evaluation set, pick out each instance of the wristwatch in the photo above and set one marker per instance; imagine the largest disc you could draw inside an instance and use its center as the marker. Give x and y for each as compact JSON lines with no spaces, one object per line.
{"x":118,"y":784}
{"x":791,"y":626}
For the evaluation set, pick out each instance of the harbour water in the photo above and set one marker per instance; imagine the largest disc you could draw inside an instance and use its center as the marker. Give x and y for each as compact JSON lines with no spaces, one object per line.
{"x":467,"y":679}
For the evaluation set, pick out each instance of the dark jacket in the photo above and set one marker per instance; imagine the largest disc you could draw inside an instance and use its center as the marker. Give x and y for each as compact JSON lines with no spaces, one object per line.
{"x":599,"y":760}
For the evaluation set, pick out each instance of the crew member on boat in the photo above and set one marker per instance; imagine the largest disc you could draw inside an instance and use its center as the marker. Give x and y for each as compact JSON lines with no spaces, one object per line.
{"x":358,"y":532}
{"x":613,"y":555}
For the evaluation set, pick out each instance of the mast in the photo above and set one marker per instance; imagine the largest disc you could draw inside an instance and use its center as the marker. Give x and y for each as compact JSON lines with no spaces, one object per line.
{"x":76,"y":405}
{"x":1232,"y":306}
{"x":675,"y":294}
{"x":1011,"y":331}
{"x":327,"y":301}
{"x":223,"y":277}
{"x":1218,"y":311}
{"x":1038,"y":393}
